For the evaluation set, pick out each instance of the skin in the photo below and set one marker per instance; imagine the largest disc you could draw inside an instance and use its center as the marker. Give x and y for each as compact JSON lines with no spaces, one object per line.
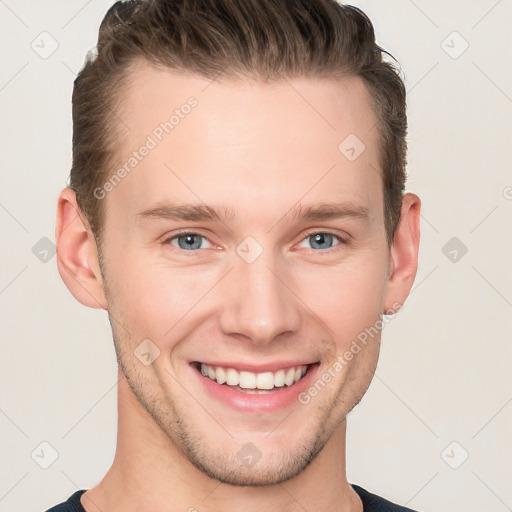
{"x":258,"y":150}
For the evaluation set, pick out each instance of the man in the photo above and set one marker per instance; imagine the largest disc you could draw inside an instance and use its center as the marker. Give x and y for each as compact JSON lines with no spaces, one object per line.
{"x":236,"y":205}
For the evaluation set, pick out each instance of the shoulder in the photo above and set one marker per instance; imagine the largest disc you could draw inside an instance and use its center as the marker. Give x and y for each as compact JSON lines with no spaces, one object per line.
{"x":374,"y":503}
{"x":72,"y":504}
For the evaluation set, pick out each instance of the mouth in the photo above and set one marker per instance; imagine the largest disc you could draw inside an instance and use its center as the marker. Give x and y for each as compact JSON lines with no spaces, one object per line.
{"x":249,"y":382}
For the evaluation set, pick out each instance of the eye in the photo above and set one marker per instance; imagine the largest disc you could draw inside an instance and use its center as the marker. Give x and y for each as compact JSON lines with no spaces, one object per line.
{"x":188,"y":241}
{"x":321,"y":240}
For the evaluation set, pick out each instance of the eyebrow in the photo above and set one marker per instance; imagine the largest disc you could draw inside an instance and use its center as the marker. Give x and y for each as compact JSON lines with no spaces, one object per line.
{"x":188,"y":212}
{"x":329,"y":211}
{"x":203,"y":212}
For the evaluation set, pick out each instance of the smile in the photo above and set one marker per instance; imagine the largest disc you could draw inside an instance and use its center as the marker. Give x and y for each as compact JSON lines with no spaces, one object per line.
{"x":250,"y":380}
{"x":251,"y":388}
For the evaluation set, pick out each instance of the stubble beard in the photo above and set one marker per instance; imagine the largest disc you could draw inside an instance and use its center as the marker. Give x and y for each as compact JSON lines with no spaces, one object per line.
{"x":225,"y":467}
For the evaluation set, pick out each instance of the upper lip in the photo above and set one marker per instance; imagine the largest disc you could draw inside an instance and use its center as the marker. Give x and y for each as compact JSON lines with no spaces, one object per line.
{"x":257,"y":368}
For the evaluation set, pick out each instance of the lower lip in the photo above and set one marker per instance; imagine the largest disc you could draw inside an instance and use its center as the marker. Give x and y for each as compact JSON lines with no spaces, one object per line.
{"x":279,"y":398}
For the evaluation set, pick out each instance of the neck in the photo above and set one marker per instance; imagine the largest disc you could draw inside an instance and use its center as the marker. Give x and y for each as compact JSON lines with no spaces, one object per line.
{"x":150,"y":473}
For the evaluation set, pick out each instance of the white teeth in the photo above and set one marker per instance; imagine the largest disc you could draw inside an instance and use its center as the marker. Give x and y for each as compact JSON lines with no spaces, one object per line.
{"x":265,"y":380}
{"x":232,"y":377}
{"x":289,"y":377}
{"x":255,"y":381}
{"x":247,"y":380}
{"x":220,"y":375}
{"x":279,"y":379}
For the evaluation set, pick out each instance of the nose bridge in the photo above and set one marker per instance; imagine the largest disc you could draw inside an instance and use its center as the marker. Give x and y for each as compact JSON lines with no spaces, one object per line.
{"x":256,"y":302}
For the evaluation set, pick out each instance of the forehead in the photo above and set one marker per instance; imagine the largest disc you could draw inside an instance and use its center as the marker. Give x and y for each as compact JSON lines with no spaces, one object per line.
{"x":244,"y":139}
{"x":151,"y":93}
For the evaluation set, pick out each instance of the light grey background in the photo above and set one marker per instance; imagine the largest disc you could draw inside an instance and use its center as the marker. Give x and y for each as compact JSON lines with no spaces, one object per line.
{"x":443,"y":386}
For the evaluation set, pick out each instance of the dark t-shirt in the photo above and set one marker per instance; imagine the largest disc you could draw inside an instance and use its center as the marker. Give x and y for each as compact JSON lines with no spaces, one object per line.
{"x":371,"y":503}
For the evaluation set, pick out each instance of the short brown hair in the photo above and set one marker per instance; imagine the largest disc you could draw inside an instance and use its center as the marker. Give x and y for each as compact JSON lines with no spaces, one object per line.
{"x":260,"y":39}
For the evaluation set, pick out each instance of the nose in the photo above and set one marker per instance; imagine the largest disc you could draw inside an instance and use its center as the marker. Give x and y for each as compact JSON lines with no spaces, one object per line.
{"x":257,"y":301}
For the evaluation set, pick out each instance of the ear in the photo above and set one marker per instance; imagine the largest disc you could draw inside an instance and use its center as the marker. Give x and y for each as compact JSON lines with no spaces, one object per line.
{"x":403,"y":254}
{"x":77,"y":255}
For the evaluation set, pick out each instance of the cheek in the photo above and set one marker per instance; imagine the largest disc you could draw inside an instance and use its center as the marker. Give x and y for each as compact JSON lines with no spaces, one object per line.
{"x":347,"y":298}
{"x":153,"y":299}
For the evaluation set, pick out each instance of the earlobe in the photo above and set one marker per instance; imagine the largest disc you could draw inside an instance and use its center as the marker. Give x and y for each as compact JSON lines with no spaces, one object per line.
{"x":77,"y":256}
{"x":404,"y":254}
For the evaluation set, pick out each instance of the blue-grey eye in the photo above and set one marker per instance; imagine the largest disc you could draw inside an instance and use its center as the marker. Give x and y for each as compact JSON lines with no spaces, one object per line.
{"x":189,"y":241}
{"x":322,"y":241}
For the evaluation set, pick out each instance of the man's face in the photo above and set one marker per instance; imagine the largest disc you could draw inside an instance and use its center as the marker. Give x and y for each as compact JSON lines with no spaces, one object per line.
{"x":260,"y":288}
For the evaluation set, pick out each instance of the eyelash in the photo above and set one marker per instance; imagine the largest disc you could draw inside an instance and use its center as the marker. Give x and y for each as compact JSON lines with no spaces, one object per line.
{"x":342,"y":240}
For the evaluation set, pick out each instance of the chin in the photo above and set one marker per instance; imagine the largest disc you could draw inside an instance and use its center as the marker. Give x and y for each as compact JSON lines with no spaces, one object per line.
{"x":270,"y":469}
